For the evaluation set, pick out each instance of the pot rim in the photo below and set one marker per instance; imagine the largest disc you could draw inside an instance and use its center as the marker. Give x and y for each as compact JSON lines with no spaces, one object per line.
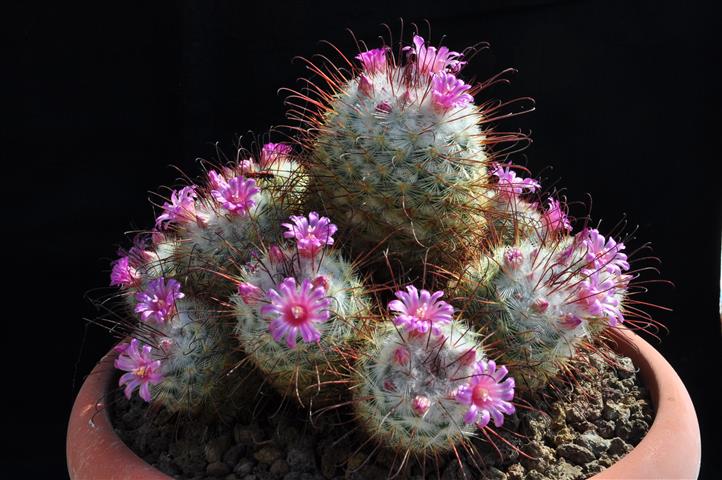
{"x":94,"y":450}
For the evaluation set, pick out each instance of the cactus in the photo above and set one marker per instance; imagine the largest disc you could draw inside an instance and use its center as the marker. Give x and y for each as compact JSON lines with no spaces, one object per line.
{"x":186,"y":355}
{"x":214,"y":227}
{"x":398,"y":154}
{"x":543,"y":301}
{"x":424,"y":386}
{"x":304,"y":289}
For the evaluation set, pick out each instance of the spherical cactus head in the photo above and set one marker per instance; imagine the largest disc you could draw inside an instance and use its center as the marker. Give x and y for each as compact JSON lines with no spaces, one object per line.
{"x":397,"y":152}
{"x":424,"y":386}
{"x":184,"y":362}
{"x":235,"y":207}
{"x":543,"y":301}
{"x":299,"y":308}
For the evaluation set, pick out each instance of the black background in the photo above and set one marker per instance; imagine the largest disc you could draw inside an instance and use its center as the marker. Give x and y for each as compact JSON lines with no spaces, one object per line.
{"x":100,"y":100}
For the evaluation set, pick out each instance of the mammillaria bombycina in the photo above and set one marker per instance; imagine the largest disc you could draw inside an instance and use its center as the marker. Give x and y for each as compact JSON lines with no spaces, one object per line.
{"x":301,"y":260}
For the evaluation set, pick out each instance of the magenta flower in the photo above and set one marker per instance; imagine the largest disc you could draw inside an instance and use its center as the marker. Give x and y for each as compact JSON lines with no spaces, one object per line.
{"x":236,"y":196}
{"x":420,"y":404}
{"x":600,"y":300}
{"x":449,"y":92}
{"x":182,"y":208}
{"x":383,"y":107}
{"x":311,"y":234}
{"x":604,"y":254}
{"x":294,"y":310}
{"x":157,"y":302}
{"x":417,"y":313}
{"x":487,"y":395}
{"x":402,"y":355}
{"x":139,"y":256}
{"x":320,"y":281}
{"x":365,"y":85}
{"x":431,"y":61}
{"x":570,"y":321}
{"x":216,"y":180}
{"x":272,"y":152}
{"x":510,"y":186}
{"x":249,"y":293}
{"x":123,"y":274}
{"x":555,"y":219}
{"x":373,"y":60}
{"x":142,"y":370}
{"x":513,"y":258}
{"x":276,"y":254}
{"x":246,"y":166}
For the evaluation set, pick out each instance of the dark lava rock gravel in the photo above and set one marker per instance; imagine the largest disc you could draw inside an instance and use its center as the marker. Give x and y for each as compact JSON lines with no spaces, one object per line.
{"x":584,"y":430}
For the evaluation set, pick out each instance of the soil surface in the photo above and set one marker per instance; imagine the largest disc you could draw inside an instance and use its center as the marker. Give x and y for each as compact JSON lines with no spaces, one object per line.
{"x":585,"y":429}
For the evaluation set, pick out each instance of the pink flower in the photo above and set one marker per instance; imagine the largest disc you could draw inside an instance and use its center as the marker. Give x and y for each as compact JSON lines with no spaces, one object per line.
{"x":420,"y":404}
{"x":123,"y":274}
{"x":417,"y":313}
{"x":276,"y":254}
{"x":321,"y":281}
{"x":510,"y":186}
{"x":603,"y":254}
{"x":513,"y":258}
{"x":157,"y":302}
{"x":246,"y":166}
{"x":236,"y":196}
{"x":365,"y":85}
{"x":182,"y":208}
{"x":449,"y":92}
{"x":311,"y":234}
{"x":429,"y":60}
{"x":272,"y":152}
{"x":249,"y":293}
{"x":600,"y":300}
{"x":402,"y":355}
{"x":142,"y":370}
{"x":487,"y":396}
{"x":555,"y":219}
{"x":138,"y":255}
{"x":216,"y":180}
{"x":383,"y":107}
{"x":570,"y":321}
{"x":293,"y":311}
{"x":373,"y":60}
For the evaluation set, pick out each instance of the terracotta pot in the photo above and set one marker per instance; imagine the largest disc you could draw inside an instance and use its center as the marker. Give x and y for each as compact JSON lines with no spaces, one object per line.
{"x":671,"y":448}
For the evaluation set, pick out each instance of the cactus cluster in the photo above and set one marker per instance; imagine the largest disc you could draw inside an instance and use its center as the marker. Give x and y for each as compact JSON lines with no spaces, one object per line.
{"x":173,"y":277}
{"x":247,"y":268}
